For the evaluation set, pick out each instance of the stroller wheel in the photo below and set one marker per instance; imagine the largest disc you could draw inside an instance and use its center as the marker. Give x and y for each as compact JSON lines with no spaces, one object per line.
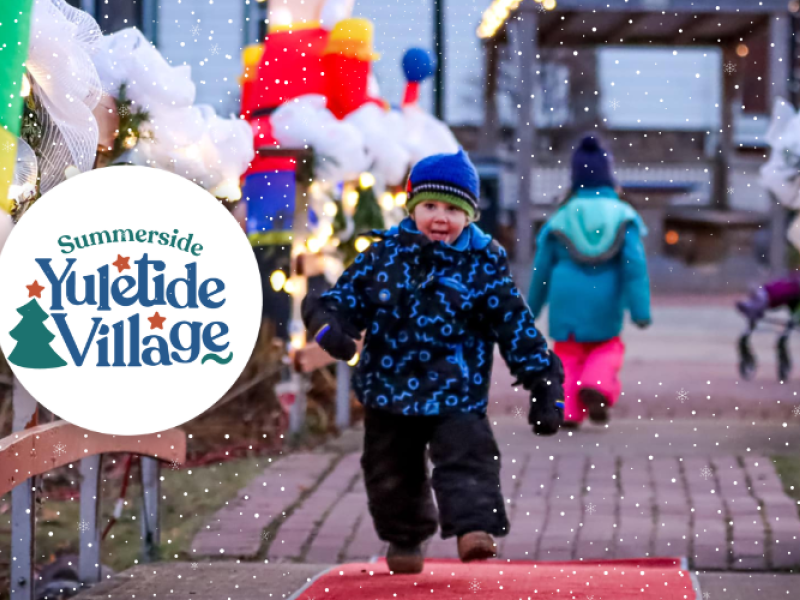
{"x":747,"y":360}
{"x":784,"y":359}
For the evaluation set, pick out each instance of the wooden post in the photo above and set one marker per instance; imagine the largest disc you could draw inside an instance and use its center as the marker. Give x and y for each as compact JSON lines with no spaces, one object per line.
{"x":151,"y":487}
{"x":89,"y":553}
{"x":342,"y":395}
{"x":780,"y":32}
{"x":490,"y":131}
{"x":23,"y":502}
{"x":526,"y":34}
{"x":724,"y":154}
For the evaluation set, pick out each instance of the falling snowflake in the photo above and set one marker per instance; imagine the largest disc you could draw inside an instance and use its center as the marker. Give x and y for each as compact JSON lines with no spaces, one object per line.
{"x":706,"y":473}
{"x":215,"y":49}
{"x":9,"y":147}
{"x":730,"y":68}
{"x":475,"y":586}
{"x":589,"y":597}
{"x":518,"y":413}
{"x":541,"y":8}
{"x":683,"y":395}
{"x":265,"y":535}
{"x":706,"y":595}
{"x":614,"y":104}
{"x":591,"y":508}
{"x":175,"y":465}
{"x":83,"y":526}
{"x":195,"y":30}
{"x":59,"y":449}
{"x":123,"y":110}
{"x":730,"y":191}
{"x":796,"y":411}
{"x":194,"y":566}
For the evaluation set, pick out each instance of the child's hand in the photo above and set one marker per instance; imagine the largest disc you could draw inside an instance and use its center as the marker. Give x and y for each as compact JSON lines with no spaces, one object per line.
{"x":333,"y":336}
{"x":547,"y":399}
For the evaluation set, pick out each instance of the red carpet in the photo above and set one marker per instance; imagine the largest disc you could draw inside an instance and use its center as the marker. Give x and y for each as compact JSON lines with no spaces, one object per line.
{"x":643,"y":579}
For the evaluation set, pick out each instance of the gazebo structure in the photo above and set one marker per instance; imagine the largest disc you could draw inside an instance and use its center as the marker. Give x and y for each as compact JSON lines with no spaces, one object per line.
{"x":535,"y":25}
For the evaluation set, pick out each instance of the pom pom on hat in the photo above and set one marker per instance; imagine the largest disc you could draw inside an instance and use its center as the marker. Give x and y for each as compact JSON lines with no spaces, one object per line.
{"x":592,"y":165}
{"x":417,"y":64}
{"x":450,"y":178}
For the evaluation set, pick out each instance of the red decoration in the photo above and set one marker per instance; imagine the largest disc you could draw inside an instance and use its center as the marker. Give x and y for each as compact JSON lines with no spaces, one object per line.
{"x":121,"y":263}
{"x":34,"y":290}
{"x":156,"y":321}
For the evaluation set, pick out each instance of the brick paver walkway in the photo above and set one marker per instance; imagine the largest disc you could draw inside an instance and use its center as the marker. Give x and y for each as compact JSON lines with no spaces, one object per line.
{"x":681,"y":471}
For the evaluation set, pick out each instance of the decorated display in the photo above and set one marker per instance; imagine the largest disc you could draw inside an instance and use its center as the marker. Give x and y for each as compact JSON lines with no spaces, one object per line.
{"x":310,"y":86}
{"x":88,"y":101}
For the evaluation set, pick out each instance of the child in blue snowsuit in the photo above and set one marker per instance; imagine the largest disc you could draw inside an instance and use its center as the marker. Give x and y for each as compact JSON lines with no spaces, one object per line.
{"x":434,"y":295}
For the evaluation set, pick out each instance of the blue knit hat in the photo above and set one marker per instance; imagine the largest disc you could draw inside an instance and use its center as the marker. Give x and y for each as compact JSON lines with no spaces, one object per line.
{"x":450,"y":178}
{"x":592,"y":165}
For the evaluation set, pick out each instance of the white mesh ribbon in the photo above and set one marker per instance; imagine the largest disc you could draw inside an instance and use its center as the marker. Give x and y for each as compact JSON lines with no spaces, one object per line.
{"x":152,"y":83}
{"x":65,"y":81}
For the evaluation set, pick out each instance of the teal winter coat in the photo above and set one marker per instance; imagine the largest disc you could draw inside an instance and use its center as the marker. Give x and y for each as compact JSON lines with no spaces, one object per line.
{"x":590,"y":266}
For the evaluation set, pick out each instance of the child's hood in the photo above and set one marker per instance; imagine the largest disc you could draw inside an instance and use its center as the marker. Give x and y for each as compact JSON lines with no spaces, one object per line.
{"x":593,"y":224}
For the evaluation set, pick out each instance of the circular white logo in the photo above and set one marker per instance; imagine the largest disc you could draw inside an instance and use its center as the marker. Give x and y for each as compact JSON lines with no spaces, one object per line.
{"x":131,"y":300}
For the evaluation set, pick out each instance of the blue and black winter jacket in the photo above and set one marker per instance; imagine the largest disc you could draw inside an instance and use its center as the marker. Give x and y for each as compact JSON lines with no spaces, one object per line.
{"x":432,"y":313}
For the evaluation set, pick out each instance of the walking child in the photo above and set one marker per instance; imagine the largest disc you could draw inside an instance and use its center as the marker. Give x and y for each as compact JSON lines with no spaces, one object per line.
{"x":434,"y":295}
{"x":590,"y":265}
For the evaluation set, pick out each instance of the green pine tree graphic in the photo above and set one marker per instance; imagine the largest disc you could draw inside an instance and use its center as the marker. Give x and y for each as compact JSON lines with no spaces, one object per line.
{"x":33,"y":340}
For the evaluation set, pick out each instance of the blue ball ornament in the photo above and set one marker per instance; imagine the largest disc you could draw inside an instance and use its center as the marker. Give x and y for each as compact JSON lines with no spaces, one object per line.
{"x":417,"y":64}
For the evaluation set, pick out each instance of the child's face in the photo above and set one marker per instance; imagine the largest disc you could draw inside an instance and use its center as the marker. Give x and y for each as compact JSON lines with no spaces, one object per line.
{"x":440,"y":221}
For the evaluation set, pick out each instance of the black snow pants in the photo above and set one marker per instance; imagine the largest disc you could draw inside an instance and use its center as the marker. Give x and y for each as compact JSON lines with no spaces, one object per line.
{"x":466,"y":476}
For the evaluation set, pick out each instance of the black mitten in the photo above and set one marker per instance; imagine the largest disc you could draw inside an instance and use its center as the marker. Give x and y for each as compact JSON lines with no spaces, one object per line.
{"x":547,"y":399}
{"x":333,"y":336}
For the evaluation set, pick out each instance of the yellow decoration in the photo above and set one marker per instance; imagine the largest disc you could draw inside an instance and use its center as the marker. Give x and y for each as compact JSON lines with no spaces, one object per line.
{"x":277,"y":280}
{"x":251,"y":56}
{"x":354,"y":361}
{"x":366,"y":181}
{"x":352,"y":38}
{"x":294,"y":26}
{"x":362,"y":244}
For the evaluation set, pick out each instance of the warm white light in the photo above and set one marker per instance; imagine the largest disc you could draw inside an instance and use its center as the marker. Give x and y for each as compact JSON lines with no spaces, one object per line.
{"x":277,"y":279}
{"x":329,"y":209}
{"x":298,"y":341}
{"x":387,"y":201}
{"x":362,"y":244}
{"x":326,"y":230}
{"x":314,"y":245}
{"x":549,"y":4}
{"x":351,"y":198}
{"x":367,"y":180}
{"x":401,"y":198}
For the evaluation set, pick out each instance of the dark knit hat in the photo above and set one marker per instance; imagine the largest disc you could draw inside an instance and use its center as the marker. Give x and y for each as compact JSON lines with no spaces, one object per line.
{"x":450,"y":178}
{"x":592,"y":165}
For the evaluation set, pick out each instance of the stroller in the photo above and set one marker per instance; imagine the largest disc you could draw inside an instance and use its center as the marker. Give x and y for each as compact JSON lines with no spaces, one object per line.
{"x":747,"y":359}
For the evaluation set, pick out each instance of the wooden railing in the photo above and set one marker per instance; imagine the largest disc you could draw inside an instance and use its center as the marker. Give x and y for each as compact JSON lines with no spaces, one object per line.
{"x":304,"y":362}
{"x":37,"y":450}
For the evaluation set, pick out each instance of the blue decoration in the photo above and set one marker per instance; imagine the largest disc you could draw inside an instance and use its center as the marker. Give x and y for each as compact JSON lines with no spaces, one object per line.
{"x":270,"y":200}
{"x":418,"y":64}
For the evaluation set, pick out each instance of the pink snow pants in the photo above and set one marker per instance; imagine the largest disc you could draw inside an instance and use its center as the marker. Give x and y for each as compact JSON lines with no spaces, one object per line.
{"x":593,"y":365}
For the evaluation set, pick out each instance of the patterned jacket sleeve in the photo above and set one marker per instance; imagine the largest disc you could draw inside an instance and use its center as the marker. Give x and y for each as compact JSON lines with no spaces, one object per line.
{"x":521,"y":344}
{"x":348,"y":298}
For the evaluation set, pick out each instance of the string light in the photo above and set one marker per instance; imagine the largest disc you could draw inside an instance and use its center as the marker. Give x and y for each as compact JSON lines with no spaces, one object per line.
{"x":351,"y":198}
{"x":366,"y":181}
{"x":400,"y":199}
{"x":387,"y":201}
{"x":497,"y":14}
{"x":329,"y":209}
{"x":277,"y":279}
{"x":362,"y":244}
